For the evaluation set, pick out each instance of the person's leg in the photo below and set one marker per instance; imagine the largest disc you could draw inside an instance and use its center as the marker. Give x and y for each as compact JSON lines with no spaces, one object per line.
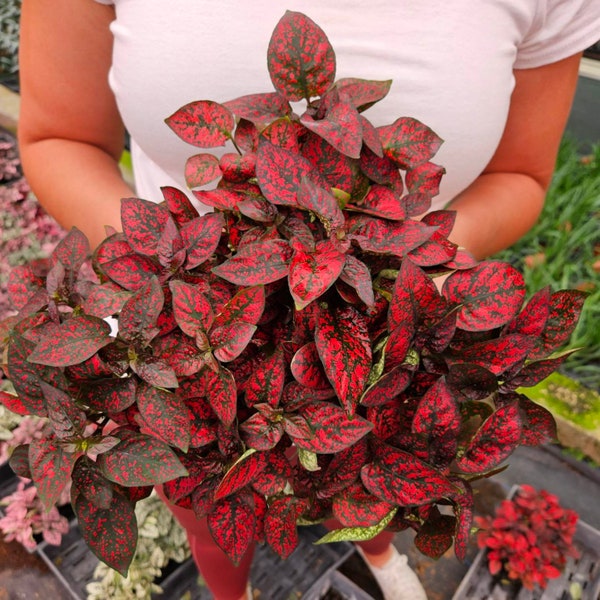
{"x":223,"y":579}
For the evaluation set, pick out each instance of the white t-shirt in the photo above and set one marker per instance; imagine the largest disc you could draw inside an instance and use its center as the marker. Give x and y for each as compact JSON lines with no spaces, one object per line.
{"x":451,"y":62}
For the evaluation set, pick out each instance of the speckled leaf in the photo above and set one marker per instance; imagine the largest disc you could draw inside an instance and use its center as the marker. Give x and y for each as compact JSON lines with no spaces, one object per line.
{"x":221,"y":199}
{"x":471,"y":380}
{"x":140,"y":460}
{"x":390,"y":384}
{"x":112,"y":395}
{"x":357,"y":534}
{"x":322,"y":203}
{"x":300,"y":58}
{"x":565,"y":309}
{"x":232,"y":524}
{"x":381,"y":170}
{"x":51,"y":469}
{"x":91,"y":483}
{"x":143,"y":222}
{"x":355,"y":507}
{"x":399,"y":343}
{"x":247,"y":305}
{"x":539,"y":426}
{"x":105,"y":300}
{"x":313,"y":273}
{"x":388,"y":237}
{"x":13,"y":403}
{"x":436,"y":535}
{"x":242,"y":473}
{"x":497,"y":355}
{"x":494,"y":441}
{"x":179,"y":205}
{"x":534,"y":372}
{"x":437,"y":250}
{"x":203,"y":423}
{"x":344,"y":346}
{"x":229,"y":341}
{"x":437,"y":413}
{"x":73,"y":342}
{"x":280,"y":524}
{"x":343,"y":469}
{"x":201,"y":169}
{"x":532,"y":319}
{"x":408,"y":142}
{"x":222,"y":394}
{"x":399,"y":477}
{"x":191,"y":308}
{"x":280,"y":172}
{"x":282,"y":133}
{"x":260,"y":109}
{"x":425,"y":179}
{"x":372,"y":140}
{"x":260,"y":433}
{"x":139,"y":315}
{"x":341,"y":127}
{"x":307,"y":368}
{"x":266,"y":381}
{"x":357,"y":275}
{"x":363,"y":93}
{"x":464,"y":509}
{"x":111,"y":533}
{"x":246,"y":136}
{"x":66,"y":418}
{"x":382,"y":202}
{"x":203,"y":123}
{"x":154,"y":371}
{"x":165,"y":414}
{"x":23,"y":284}
{"x":257,"y":263}
{"x":19,"y":461}
{"x":332,"y":430}
{"x":489,"y":295}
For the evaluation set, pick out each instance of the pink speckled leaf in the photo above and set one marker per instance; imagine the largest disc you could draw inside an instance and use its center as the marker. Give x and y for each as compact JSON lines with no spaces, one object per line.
{"x":363,"y":93}
{"x":201,"y":169}
{"x":425,"y":178}
{"x":260,"y":109}
{"x":322,"y":203}
{"x":242,"y":473}
{"x":139,"y":315}
{"x":247,"y":305}
{"x":229,"y":341}
{"x":202,"y":123}
{"x":357,"y":275}
{"x":191,"y":308}
{"x":201,"y":237}
{"x":437,"y":413}
{"x":382,"y":202}
{"x":265,"y":383}
{"x":280,"y":524}
{"x":222,"y":394}
{"x":355,"y":507}
{"x":143,"y":222}
{"x":179,"y":205}
{"x":300,"y":58}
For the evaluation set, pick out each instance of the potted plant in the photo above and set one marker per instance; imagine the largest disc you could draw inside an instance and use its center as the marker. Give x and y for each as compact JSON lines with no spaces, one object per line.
{"x":288,"y":356}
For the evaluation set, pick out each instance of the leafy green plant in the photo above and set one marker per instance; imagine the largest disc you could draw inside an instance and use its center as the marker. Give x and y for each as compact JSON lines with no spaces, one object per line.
{"x":563,"y":251}
{"x":287,"y":356}
{"x":10,"y":13}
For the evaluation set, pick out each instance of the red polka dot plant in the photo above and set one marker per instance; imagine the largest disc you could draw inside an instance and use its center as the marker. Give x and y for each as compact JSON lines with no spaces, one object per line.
{"x":530,"y":537}
{"x":288,"y":356}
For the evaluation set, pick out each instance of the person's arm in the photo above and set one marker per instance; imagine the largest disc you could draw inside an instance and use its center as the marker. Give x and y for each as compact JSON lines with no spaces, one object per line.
{"x":506,"y":200}
{"x":70,"y":133}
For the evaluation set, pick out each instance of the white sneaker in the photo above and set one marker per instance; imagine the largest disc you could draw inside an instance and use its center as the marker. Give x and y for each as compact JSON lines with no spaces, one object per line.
{"x":396,"y":579}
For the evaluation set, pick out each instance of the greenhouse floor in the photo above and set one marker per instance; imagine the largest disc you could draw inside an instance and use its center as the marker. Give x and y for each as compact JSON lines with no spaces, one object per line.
{"x":24,"y":576}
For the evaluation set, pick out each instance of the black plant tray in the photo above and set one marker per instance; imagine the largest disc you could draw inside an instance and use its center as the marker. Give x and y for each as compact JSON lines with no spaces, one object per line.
{"x":8,"y":482}
{"x":310,"y":573}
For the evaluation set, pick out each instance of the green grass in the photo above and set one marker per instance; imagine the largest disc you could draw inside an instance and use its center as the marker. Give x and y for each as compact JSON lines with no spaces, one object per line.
{"x":563,"y":251}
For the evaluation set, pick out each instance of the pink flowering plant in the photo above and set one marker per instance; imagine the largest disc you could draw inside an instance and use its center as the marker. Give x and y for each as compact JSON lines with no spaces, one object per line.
{"x":288,"y":356}
{"x":530,"y":537}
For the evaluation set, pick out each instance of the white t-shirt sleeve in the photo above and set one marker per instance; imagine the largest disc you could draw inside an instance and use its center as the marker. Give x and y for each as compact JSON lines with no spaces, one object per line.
{"x":562,"y":28}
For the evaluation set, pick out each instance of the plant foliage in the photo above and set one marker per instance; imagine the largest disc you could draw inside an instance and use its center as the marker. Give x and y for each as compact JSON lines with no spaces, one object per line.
{"x":288,"y":356}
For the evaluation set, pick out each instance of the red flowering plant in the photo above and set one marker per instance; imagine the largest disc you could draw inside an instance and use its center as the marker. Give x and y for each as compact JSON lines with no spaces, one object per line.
{"x":288,"y":356}
{"x":530,"y":537}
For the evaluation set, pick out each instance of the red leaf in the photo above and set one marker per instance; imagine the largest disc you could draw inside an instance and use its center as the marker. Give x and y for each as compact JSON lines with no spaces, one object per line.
{"x":105,"y":300}
{"x":139,"y":315}
{"x":387,"y":387}
{"x":382,"y":202}
{"x":51,"y":469}
{"x":435,"y":535}
{"x":381,"y":169}
{"x":363,"y":93}
{"x":471,"y":380}
{"x":237,"y":168}
{"x":266,"y":381}
{"x":274,"y":477}
{"x":437,"y":413}
{"x":13,"y":403}
{"x":494,"y":441}
{"x":332,"y":430}
{"x":355,"y":507}
{"x":425,"y":179}
{"x":247,"y":305}
{"x":313,"y":273}
{"x":322,"y":203}
{"x":408,"y":142}
{"x":154,"y":371}
{"x":300,"y":58}
{"x":179,"y":205}
{"x":191,"y":308}
{"x":282,"y":133}
{"x":261,"y":433}
{"x":72,"y":251}
{"x":344,"y":469}
{"x":232,"y":524}
{"x":246,"y":136}
{"x":280,"y":172}
{"x":222,"y":394}
{"x":72,"y":342}
{"x":257,"y":263}
{"x":399,"y":477}
{"x":111,"y":533}
{"x":241,"y":474}
{"x":221,"y":199}
{"x":90,"y":483}
{"x":307,"y":368}
{"x":203,"y":123}
{"x":388,"y":237}
{"x":260,"y":109}
{"x":341,"y":127}
{"x":229,"y":341}
{"x":534,"y":372}
{"x":112,"y":395}
{"x":23,"y":284}
{"x":489,"y":295}
{"x":66,"y":418}
{"x":280,"y":524}
{"x":437,"y":250}
{"x":344,"y":346}
{"x":140,"y":460}
{"x":357,"y":275}
{"x":539,"y":426}
{"x":165,"y":415}
{"x":203,"y":423}
{"x":464,"y":508}
{"x":201,"y":169}
{"x":143,"y":222}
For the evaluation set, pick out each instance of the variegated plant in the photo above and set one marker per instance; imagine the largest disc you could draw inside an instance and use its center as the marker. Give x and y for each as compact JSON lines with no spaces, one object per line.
{"x":288,"y":356}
